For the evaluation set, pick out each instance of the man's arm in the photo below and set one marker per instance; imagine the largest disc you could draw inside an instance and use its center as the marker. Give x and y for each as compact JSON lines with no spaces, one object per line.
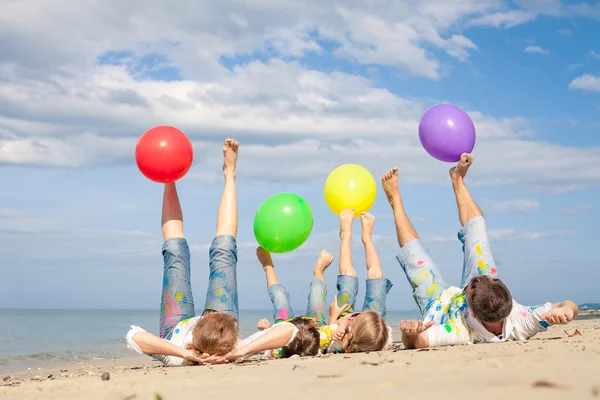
{"x":420,"y":335}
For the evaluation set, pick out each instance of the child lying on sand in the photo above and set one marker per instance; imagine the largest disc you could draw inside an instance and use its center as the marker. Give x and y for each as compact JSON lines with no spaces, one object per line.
{"x":357,"y":332}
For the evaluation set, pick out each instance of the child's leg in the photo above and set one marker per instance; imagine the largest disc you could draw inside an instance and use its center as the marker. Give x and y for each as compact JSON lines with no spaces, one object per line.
{"x":280,"y":298}
{"x":222,"y":295}
{"x":478,"y":258}
{"x":177,"y":303}
{"x":377,"y":286}
{"x":347,"y":283}
{"x":426,"y":280}
{"x":317,"y":297}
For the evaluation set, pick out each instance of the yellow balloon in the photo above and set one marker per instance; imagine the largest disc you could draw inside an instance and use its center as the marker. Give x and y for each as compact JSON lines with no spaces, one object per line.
{"x":350,"y":186}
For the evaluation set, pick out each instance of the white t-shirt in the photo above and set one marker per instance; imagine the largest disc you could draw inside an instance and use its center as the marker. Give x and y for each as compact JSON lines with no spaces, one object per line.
{"x":456,"y":324}
{"x":183,"y":335}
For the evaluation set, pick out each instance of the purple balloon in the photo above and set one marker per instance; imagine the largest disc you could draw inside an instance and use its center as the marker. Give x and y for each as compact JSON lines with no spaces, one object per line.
{"x":446,"y":132}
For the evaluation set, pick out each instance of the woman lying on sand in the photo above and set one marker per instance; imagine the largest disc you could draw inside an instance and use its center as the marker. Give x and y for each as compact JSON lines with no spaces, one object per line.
{"x":184,"y":338}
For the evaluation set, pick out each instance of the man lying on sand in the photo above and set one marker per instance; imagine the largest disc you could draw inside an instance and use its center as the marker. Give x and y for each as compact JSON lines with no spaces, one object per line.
{"x":482,"y":310}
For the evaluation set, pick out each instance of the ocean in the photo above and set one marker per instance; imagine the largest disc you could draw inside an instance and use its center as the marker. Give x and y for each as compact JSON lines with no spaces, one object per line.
{"x":38,"y":338}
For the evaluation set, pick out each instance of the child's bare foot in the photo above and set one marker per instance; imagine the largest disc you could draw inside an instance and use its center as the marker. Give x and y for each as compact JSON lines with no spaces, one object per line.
{"x":367,"y":220}
{"x":230,"y":154}
{"x":264,"y":257}
{"x":460,"y":171}
{"x":346,"y":219}
{"x":389,"y":181}
{"x":324,"y":261}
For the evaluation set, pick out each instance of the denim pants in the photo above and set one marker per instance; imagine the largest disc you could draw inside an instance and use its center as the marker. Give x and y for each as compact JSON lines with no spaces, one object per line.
{"x":424,"y":277}
{"x":177,"y":302}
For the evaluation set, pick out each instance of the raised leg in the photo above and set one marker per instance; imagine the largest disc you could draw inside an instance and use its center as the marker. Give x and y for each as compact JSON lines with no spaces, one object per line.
{"x":377,"y":287}
{"x":404,"y":228}
{"x":478,"y":257}
{"x":347,"y":283}
{"x":317,"y":297}
{"x":420,"y":270}
{"x":222,"y":293}
{"x":177,"y":302}
{"x":280,"y":298}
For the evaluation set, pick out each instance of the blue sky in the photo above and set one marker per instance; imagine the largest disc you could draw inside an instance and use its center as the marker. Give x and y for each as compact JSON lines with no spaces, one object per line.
{"x":305,"y":87}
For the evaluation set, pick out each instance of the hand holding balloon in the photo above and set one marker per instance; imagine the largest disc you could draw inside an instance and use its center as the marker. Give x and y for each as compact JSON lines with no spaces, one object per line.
{"x":446,"y":132}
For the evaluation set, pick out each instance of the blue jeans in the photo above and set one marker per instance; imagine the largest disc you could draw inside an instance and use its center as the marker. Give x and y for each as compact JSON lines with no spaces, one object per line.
{"x":177,"y":302}
{"x":316,"y":307}
{"x":424,"y":277}
{"x":375,"y":294}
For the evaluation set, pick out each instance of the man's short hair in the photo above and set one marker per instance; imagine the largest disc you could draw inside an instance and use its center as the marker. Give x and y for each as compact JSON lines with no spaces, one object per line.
{"x":489,"y":299}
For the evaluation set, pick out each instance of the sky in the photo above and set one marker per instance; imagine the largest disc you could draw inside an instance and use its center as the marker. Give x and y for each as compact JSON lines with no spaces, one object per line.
{"x":305,"y":86}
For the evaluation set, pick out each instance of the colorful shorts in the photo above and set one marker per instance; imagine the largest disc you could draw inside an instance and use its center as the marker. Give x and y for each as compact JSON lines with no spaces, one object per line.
{"x":424,"y":277}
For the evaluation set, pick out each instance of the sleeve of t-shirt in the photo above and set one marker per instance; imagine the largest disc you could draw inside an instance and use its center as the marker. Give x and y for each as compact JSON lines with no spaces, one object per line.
{"x":450,"y":334}
{"x":528,"y":321}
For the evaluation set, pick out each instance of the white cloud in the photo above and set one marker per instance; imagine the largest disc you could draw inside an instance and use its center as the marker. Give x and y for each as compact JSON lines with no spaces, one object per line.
{"x":565,"y":32}
{"x":586,"y":82}
{"x":520,"y":206}
{"x":593,"y":54}
{"x":573,"y":210}
{"x":535,"y":50}
{"x":318,"y":112}
{"x":506,"y":235}
{"x":506,"y":19}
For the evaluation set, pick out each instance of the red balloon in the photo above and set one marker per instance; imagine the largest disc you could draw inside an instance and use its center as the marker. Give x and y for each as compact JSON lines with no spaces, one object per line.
{"x":164,"y":154}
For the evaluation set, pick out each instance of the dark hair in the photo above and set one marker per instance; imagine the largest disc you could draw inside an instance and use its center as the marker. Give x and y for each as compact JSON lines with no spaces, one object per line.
{"x":489,"y":299}
{"x":306,"y":343}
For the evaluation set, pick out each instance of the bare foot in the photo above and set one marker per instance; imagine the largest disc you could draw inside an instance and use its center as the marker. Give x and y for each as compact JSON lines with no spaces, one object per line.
{"x":460,"y":171}
{"x":367,"y":220}
{"x":346,"y":219}
{"x":389,"y":181}
{"x":264,"y":257}
{"x":324,"y":261}
{"x":230,"y":154}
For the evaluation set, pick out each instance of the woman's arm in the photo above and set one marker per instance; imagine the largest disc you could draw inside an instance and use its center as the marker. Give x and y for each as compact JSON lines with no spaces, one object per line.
{"x":278,"y":336}
{"x":151,"y":344}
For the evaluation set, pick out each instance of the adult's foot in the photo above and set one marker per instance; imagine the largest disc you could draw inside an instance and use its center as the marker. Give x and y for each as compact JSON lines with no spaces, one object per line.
{"x":460,"y":171}
{"x":346,"y":219}
{"x":389,"y":181}
{"x":230,"y":155}
{"x":367,"y":220}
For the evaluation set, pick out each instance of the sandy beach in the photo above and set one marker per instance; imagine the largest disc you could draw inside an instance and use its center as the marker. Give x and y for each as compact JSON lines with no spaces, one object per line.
{"x":552,"y":365}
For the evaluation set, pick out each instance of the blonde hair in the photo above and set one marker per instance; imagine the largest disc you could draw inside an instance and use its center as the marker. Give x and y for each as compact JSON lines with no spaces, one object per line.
{"x":369,"y":333}
{"x":215,"y":334}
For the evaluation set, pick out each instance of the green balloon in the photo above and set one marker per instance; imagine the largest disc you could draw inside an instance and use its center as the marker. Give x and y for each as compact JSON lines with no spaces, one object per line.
{"x":282,"y":223}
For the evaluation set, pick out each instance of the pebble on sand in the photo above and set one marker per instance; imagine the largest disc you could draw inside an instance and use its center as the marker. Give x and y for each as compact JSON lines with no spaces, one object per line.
{"x":105,"y":376}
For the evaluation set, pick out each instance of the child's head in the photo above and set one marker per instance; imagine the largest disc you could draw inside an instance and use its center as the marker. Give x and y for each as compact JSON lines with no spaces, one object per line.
{"x":489,"y":299}
{"x":306,"y":343}
{"x":215,"y":334}
{"x":368,"y":332}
